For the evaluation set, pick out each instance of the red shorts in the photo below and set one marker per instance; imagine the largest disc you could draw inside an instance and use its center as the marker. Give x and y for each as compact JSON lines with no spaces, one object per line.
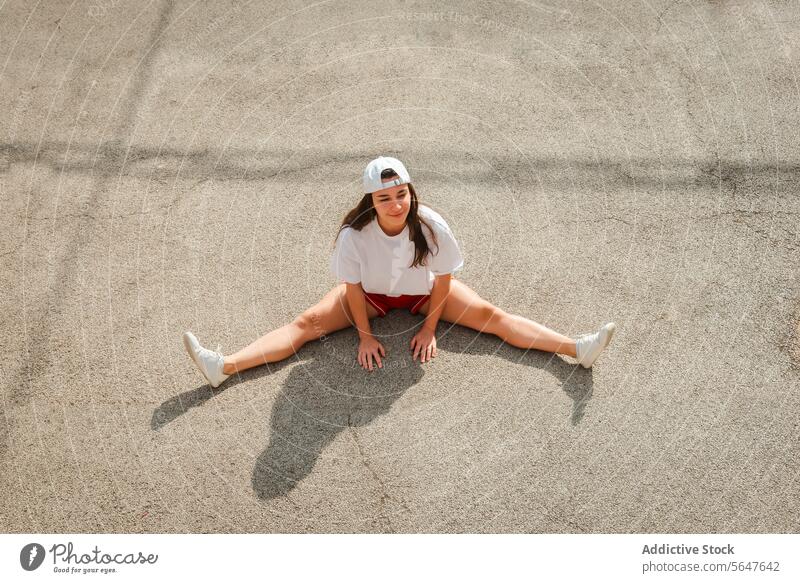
{"x":384,"y":303}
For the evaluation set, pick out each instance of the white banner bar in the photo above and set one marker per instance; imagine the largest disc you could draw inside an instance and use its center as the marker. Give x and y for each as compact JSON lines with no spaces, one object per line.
{"x":353,"y":558}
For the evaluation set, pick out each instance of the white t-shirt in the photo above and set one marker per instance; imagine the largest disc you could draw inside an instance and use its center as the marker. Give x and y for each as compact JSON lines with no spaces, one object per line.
{"x":381,"y":263}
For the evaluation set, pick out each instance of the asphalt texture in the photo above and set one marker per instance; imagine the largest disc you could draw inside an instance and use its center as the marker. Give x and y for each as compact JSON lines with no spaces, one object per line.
{"x":169,"y":166}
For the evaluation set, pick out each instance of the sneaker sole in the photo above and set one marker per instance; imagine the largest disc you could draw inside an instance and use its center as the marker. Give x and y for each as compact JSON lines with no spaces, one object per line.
{"x":188,"y":346}
{"x":611,"y":327}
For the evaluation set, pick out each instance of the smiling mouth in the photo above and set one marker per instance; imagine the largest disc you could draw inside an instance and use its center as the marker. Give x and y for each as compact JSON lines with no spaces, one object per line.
{"x":397,"y":215}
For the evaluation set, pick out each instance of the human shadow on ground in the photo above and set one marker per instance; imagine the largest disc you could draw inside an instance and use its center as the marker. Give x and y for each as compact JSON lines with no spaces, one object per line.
{"x":329,"y":392}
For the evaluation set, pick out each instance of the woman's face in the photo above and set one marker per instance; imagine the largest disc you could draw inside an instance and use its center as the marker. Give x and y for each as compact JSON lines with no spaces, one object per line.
{"x":392,"y":204}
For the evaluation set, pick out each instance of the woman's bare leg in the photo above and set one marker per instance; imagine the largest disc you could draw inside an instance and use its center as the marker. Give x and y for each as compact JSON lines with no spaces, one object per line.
{"x":524,"y":333}
{"x":330,"y":314}
{"x":464,"y":306}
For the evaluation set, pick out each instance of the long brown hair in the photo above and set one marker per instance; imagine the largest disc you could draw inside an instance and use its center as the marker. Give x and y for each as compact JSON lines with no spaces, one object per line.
{"x":364,"y":212}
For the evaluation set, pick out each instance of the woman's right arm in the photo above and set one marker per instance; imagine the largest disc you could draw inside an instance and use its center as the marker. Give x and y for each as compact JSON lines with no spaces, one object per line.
{"x":368,"y":346}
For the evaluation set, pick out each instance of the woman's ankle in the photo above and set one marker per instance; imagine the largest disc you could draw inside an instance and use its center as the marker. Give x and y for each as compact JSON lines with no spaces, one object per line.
{"x":228,"y":367}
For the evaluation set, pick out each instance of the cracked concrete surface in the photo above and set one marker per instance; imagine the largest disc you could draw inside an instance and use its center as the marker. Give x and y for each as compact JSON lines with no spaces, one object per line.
{"x":174,"y":165}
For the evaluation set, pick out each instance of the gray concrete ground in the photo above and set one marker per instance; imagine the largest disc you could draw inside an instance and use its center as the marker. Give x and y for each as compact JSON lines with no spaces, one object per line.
{"x":184,"y":165}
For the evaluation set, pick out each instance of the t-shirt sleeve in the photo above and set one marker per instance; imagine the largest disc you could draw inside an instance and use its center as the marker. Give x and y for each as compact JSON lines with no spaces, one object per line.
{"x":345,"y":263}
{"x":448,"y":258}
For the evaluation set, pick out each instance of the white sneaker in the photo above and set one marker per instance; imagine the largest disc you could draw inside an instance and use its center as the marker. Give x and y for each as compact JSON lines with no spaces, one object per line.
{"x":589,"y":346}
{"x":209,"y":362}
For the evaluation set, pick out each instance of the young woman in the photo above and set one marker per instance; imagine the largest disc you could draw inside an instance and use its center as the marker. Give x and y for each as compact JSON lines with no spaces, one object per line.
{"x":393,"y":252}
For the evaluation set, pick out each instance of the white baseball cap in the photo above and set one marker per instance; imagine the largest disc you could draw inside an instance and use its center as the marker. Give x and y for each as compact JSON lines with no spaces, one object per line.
{"x":372,"y":174}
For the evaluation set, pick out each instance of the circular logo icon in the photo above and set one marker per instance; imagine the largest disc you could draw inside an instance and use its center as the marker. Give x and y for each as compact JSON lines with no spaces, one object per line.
{"x":31,"y":556}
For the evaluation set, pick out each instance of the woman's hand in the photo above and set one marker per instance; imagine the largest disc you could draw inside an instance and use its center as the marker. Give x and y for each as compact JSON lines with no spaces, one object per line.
{"x":368,"y":348}
{"x":424,"y":344}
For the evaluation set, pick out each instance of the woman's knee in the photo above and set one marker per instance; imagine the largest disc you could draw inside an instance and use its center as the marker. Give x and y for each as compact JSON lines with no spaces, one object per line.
{"x":328,"y":316}
{"x":308,"y":326}
{"x":495,"y":320}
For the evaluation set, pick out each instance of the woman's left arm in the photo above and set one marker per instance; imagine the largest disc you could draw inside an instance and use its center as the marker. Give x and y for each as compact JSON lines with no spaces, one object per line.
{"x":424,"y":341}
